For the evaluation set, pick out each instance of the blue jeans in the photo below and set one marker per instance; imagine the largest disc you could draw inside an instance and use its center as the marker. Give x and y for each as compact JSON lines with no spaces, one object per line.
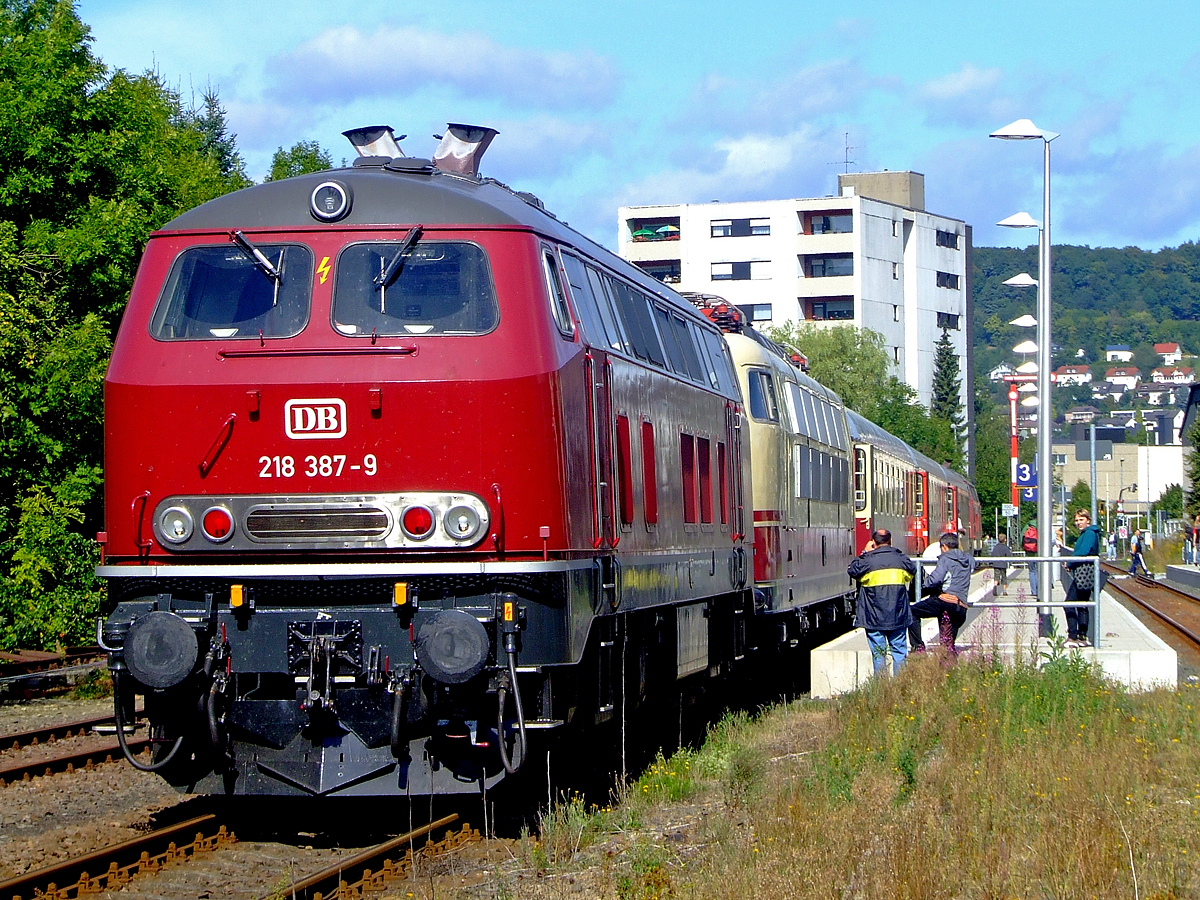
{"x":881,"y":641}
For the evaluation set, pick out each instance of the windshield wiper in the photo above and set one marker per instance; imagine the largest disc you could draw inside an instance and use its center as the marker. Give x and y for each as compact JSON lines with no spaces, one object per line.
{"x":260,"y":261}
{"x":392,"y":270}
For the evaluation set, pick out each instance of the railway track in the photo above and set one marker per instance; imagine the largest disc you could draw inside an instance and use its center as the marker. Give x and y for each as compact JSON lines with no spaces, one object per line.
{"x":68,"y":762}
{"x":1178,"y":610}
{"x":53,"y":733}
{"x":257,"y":867}
{"x":32,"y":673}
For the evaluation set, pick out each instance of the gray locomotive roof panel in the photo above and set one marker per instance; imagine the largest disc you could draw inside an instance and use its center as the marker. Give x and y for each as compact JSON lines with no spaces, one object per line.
{"x":388,"y":198}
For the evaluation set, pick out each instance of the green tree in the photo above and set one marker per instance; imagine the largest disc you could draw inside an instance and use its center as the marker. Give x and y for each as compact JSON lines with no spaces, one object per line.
{"x":303,"y":158}
{"x":1170,"y":504}
{"x":853,"y":364}
{"x":90,"y":163}
{"x":946,"y":403}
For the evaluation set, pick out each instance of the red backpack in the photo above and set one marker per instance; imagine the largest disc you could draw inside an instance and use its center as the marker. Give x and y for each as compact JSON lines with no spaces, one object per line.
{"x":1029,"y":540}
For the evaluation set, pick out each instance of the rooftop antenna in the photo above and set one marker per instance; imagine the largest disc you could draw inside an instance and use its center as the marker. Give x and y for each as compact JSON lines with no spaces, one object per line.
{"x":846,"y":160}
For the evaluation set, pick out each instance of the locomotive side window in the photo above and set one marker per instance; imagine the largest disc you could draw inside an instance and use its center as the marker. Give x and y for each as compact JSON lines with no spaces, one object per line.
{"x":604,"y":304}
{"x":439,"y":287}
{"x":634,"y":309}
{"x":594,"y":314}
{"x":720,"y":374}
{"x":558,"y":297}
{"x":675,"y":334}
{"x":222,"y":292}
{"x":763,"y":405}
{"x":795,"y":405}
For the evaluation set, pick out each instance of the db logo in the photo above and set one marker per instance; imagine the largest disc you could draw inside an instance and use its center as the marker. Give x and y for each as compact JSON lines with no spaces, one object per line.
{"x":311,"y":419}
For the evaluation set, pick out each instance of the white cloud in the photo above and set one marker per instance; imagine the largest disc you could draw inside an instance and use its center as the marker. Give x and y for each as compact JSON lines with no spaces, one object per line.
{"x":345,"y":63}
{"x":966,"y":82}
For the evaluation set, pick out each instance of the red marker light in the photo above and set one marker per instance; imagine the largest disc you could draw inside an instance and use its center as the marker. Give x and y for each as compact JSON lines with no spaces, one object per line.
{"x":217,"y":524}
{"x":417,"y":522}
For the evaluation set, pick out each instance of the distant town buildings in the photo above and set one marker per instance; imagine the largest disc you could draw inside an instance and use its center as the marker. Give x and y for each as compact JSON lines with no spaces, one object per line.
{"x":871,"y":257}
{"x":1118,"y":353}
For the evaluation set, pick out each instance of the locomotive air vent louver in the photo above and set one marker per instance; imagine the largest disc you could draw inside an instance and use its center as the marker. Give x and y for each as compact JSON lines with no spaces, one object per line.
{"x":462,"y":147}
{"x":323,"y":523}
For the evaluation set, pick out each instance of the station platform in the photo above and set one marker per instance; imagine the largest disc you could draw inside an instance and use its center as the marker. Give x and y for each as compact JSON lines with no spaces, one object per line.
{"x":1128,"y":652}
{"x":1185,"y":576}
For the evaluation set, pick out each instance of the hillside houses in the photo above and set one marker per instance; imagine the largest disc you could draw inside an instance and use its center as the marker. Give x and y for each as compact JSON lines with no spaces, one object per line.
{"x":1126,"y":376}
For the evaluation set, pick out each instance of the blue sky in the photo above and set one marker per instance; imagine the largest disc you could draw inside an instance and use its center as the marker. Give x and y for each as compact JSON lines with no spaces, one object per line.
{"x":600,"y":105}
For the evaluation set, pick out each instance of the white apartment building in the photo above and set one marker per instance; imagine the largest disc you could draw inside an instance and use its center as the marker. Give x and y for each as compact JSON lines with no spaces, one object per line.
{"x":871,"y":257}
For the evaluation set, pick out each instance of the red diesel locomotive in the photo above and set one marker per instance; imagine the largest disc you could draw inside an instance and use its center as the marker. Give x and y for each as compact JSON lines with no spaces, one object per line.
{"x":401,"y":470}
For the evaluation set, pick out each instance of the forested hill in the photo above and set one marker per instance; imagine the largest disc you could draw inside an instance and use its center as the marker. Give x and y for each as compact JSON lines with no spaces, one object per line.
{"x":1101,"y":296}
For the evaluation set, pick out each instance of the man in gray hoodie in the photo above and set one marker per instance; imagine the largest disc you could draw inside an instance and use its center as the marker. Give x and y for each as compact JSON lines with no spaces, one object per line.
{"x":944,"y":593}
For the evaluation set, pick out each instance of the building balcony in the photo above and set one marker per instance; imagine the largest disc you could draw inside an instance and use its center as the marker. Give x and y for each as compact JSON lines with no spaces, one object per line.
{"x":830,"y":285}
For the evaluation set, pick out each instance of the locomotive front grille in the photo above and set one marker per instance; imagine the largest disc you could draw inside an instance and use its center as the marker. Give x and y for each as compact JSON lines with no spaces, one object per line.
{"x":330,"y":524}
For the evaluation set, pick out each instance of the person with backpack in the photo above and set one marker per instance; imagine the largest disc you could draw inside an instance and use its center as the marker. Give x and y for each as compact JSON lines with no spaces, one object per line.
{"x":1029,"y":543}
{"x":1080,"y":578}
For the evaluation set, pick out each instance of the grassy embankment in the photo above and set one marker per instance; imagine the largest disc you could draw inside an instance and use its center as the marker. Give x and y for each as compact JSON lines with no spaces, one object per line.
{"x":955,"y":780}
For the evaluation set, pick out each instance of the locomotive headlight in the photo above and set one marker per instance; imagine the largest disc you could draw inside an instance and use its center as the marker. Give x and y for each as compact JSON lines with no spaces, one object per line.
{"x":461,"y":523}
{"x":175,"y":524}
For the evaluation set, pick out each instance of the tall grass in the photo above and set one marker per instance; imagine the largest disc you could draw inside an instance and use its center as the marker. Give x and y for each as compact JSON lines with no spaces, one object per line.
{"x":959,"y":779}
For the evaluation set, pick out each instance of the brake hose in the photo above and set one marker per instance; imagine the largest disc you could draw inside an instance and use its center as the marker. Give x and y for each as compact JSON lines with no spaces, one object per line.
{"x":120,"y":717}
{"x":510,"y":767}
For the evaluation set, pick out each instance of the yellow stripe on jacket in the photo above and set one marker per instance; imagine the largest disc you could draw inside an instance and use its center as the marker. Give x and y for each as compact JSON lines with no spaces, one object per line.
{"x":885,"y":576}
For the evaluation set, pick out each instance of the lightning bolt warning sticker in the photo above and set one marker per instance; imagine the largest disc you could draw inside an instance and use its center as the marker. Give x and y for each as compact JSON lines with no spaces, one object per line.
{"x":323,"y":269}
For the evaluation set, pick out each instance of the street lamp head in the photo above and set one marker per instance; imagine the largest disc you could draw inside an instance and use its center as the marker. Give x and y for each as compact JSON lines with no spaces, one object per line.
{"x":1026,"y":347}
{"x":1022,"y":280}
{"x":1030,"y":401}
{"x":1025,"y":321}
{"x":1027,"y":368}
{"x":1023,"y":130}
{"x":1020,"y":220}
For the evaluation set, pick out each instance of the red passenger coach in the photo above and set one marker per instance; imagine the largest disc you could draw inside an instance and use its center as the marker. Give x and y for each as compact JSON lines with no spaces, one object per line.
{"x":402,"y":472}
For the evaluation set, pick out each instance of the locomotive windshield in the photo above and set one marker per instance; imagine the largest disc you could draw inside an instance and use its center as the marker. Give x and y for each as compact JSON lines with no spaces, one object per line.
{"x":444,"y":287}
{"x":223,"y":292}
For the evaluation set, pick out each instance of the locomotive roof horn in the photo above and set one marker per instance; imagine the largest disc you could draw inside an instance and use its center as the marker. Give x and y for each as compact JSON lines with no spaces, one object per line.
{"x":462,"y":147}
{"x":376,"y":140}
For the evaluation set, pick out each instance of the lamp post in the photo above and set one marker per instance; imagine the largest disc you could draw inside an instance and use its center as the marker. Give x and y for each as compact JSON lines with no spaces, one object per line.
{"x":1025,"y":130}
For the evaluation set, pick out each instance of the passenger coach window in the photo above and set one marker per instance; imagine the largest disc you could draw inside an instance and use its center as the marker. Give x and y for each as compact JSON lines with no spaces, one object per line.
{"x":438,"y":287}
{"x":223,"y":292}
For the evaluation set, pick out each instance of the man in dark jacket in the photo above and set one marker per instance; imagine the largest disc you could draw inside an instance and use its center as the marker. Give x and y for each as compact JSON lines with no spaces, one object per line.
{"x":883,"y":574}
{"x":1000,"y":565}
{"x":945,"y":589}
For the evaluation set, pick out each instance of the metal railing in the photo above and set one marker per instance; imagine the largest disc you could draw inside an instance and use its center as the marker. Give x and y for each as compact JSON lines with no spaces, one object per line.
{"x":986,"y":562}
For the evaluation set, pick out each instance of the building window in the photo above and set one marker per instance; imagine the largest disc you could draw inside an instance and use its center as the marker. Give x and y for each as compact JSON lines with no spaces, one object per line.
{"x":1060,"y":459}
{"x":947,"y":280}
{"x":829,"y":266}
{"x":831,"y":309}
{"x":947,"y":320}
{"x":895,"y":312}
{"x":657,"y":229}
{"x":895,"y":271}
{"x":757,"y":270}
{"x":739,"y":227}
{"x":896,"y":354}
{"x":946,"y":239}
{"x":833,"y":223}
{"x":895,"y":229}
{"x":756,"y":312}
{"x":665,"y":270}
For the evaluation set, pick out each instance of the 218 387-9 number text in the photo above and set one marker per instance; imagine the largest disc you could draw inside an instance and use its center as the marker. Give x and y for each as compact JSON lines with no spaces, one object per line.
{"x":314,"y":466}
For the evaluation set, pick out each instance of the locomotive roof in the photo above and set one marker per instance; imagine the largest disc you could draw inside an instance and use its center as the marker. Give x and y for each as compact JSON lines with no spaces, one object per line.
{"x":416,"y":195}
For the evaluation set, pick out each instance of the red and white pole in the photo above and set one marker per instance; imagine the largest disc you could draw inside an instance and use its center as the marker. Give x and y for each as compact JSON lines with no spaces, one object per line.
{"x":1012,"y":416}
